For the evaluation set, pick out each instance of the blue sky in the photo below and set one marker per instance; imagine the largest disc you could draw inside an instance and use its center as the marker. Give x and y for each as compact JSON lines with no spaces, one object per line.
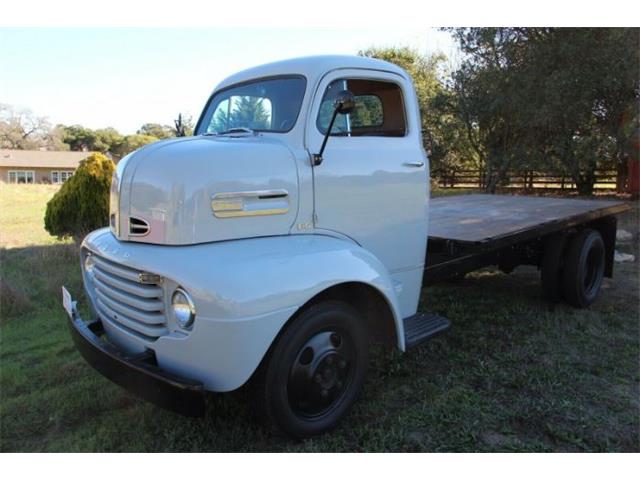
{"x":124,"y":77}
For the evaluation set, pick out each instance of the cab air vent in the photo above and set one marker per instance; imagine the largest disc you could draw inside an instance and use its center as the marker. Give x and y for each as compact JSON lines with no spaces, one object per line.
{"x":138,"y":227}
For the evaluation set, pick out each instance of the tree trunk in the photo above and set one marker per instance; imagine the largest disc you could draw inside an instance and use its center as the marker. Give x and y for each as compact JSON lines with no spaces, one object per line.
{"x":494,"y":176}
{"x":492,"y":183}
{"x":491,"y":179}
{"x":622,"y":175}
{"x":585,"y":183}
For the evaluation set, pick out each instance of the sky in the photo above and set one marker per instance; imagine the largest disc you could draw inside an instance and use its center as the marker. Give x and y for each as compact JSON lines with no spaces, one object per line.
{"x":125,"y":77}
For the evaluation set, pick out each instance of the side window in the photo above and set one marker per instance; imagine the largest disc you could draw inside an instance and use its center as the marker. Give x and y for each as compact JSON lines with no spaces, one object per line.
{"x":379,"y":109}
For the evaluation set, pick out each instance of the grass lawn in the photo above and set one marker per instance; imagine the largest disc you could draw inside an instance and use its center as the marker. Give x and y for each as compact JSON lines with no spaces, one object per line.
{"x":513,"y":374}
{"x":22,"y":210}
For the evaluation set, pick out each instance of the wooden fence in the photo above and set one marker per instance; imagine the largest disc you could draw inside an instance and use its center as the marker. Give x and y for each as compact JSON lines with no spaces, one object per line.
{"x":605,"y":180}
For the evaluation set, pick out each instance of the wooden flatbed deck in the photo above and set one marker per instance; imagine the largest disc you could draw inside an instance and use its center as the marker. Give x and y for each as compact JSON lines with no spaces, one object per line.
{"x":482,"y":219}
{"x":468,"y":232}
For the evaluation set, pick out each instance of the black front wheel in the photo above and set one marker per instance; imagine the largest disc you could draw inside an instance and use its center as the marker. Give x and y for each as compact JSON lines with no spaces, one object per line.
{"x":314,"y":371}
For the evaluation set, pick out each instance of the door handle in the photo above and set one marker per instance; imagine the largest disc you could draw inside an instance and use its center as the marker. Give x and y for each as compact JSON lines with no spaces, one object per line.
{"x":413,"y":164}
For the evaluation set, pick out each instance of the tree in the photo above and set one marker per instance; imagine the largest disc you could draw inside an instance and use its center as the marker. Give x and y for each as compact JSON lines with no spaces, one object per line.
{"x":21,"y":129}
{"x":490,"y":101}
{"x":249,"y":112}
{"x":183,"y":126}
{"x":78,"y":137}
{"x":82,"y":203}
{"x":156,"y":130}
{"x":556,"y":99}
{"x":106,"y":140}
{"x":616,"y":105}
{"x":241,"y":112}
{"x":55,"y":139}
{"x":588,"y":86}
{"x":133,"y":142}
{"x":84,"y":139}
{"x":221,"y":120}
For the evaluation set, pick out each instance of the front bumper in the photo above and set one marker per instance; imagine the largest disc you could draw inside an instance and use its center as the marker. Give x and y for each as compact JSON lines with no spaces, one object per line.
{"x":139,"y":374}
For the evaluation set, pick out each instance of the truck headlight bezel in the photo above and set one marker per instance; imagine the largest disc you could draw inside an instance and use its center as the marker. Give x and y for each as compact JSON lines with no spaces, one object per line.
{"x":182,"y":308}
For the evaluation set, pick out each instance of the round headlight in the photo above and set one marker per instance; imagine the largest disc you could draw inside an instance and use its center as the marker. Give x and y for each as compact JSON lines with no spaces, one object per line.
{"x":89,"y":263}
{"x":183,"y":310}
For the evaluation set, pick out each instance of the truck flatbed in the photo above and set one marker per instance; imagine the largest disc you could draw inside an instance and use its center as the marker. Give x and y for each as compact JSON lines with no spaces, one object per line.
{"x":484,"y":219}
{"x":467,"y":232}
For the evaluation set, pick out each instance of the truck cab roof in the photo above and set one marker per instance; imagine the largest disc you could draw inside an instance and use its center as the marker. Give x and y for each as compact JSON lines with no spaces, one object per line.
{"x":312,"y":67}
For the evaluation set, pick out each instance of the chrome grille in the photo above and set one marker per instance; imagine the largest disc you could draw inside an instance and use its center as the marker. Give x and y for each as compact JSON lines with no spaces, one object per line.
{"x":122,"y":300}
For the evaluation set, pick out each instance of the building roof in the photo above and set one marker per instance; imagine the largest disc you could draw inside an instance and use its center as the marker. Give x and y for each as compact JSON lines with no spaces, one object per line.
{"x":42,"y":159}
{"x":312,"y":68}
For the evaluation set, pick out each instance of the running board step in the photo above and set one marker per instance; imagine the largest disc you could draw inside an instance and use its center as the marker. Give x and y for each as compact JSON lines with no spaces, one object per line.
{"x":420,"y":327}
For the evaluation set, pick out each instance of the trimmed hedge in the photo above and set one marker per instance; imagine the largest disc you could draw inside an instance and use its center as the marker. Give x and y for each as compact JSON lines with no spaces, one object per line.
{"x":82,"y":203}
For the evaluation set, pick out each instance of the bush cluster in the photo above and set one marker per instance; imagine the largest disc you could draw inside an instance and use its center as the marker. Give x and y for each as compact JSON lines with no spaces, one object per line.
{"x":82,"y":203}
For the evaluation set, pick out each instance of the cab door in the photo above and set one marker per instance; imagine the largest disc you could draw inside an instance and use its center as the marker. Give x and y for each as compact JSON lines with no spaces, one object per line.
{"x":372,"y":184}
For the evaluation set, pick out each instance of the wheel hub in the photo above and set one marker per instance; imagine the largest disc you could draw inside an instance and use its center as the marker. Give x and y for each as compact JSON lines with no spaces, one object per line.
{"x":320,"y":373}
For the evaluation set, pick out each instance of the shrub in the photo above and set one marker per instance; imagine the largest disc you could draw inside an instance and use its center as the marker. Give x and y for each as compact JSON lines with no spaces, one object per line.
{"x":82,"y":203}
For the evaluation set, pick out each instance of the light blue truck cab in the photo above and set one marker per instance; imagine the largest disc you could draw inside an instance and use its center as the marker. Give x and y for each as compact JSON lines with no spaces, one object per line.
{"x":226,"y":245}
{"x":268,"y":248}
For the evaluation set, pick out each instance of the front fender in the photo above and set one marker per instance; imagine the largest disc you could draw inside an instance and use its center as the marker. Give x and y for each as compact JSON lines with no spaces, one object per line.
{"x":244,"y":292}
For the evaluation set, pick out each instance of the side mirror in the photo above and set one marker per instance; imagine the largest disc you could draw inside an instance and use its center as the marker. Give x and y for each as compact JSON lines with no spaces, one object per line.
{"x":344,"y":104}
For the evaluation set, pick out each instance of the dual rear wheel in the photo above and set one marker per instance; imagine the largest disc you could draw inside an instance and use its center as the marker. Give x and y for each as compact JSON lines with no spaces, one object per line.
{"x":573,"y":267}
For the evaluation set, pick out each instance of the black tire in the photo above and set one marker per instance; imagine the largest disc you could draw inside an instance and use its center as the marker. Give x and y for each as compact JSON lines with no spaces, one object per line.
{"x":314,"y":372}
{"x":552,"y":265}
{"x":584,"y":268}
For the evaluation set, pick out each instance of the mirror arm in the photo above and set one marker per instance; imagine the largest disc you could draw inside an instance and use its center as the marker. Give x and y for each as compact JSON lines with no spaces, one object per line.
{"x":317,"y":157}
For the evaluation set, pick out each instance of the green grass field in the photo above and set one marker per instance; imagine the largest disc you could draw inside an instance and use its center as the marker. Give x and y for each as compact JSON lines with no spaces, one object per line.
{"x":513,"y":374}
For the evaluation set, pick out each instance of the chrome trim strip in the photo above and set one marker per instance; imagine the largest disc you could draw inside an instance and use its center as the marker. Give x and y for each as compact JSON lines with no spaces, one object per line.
{"x":248,"y":204}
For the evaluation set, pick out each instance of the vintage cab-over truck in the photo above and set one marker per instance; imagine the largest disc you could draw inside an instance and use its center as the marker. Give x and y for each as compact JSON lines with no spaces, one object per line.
{"x":272,"y":246}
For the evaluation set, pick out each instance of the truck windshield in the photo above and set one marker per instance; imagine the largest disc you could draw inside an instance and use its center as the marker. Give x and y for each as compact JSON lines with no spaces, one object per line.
{"x":268,"y":105}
